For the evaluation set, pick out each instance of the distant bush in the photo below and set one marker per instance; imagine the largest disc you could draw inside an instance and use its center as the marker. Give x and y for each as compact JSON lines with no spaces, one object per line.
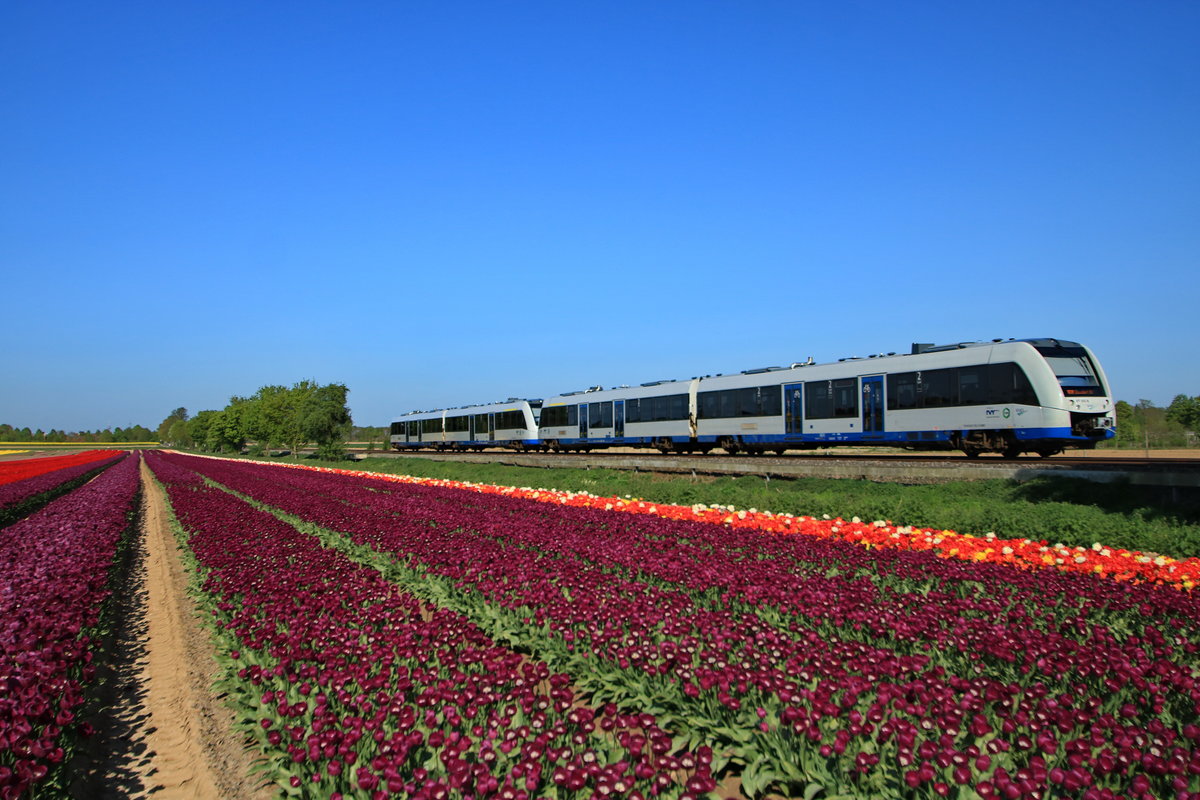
{"x":331,"y":451}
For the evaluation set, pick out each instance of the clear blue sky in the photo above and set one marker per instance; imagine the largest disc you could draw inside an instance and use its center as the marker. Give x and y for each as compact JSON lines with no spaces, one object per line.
{"x":445,"y":203}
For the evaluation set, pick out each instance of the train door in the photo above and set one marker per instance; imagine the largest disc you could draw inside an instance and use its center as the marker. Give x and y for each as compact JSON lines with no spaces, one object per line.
{"x":872,"y":405}
{"x":793,"y":410}
{"x":619,"y":419}
{"x":583,"y":421}
{"x":491,"y":427}
{"x":471,"y":424}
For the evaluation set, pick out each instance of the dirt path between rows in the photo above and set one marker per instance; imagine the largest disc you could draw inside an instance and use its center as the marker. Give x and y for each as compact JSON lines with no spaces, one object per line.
{"x":165,"y":733}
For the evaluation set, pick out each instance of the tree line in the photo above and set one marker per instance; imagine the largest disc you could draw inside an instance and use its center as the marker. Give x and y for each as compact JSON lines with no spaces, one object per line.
{"x":1148,"y":425}
{"x":275,"y":416}
{"x":134,"y":433}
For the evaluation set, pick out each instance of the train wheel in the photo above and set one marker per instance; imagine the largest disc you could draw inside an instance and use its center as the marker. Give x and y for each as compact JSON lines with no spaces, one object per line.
{"x":1012,"y":451}
{"x":1046,"y":452}
{"x":780,"y":451}
{"x":664,"y":445}
{"x":728,"y":444}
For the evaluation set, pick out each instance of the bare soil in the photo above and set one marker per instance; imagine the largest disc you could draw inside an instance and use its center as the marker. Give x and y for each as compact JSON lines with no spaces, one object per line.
{"x":165,"y":732}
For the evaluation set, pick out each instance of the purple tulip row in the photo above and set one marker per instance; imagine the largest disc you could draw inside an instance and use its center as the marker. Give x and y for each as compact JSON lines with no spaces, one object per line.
{"x":360,"y":687}
{"x":1005,"y":619}
{"x":1013,"y":683}
{"x":12,"y":495}
{"x":54,"y":570}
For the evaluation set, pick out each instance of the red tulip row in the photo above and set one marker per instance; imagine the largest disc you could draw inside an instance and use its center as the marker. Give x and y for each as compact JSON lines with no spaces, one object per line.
{"x":21,"y":469}
{"x":913,"y":673}
{"x":360,"y":689}
{"x":54,"y":569}
{"x":56,"y":476}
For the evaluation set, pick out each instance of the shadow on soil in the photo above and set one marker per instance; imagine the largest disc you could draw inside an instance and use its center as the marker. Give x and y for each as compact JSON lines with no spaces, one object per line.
{"x":109,"y":764}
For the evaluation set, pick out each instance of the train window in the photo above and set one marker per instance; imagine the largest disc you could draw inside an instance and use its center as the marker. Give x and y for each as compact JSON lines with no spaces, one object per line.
{"x":770,"y":401}
{"x":657,"y":409}
{"x":818,"y":399}
{"x":972,"y":386}
{"x":747,"y":402}
{"x":845,"y":398}
{"x":939,"y":388}
{"x":1008,"y":383}
{"x":729,"y":404}
{"x":1023,"y":392}
{"x":397,"y":428}
{"x":456,"y":424}
{"x":508,"y":420}
{"x":433,"y":425}
{"x":600,"y":415}
{"x":902,"y":391}
{"x":1074,"y":370}
{"x":753,"y":401}
{"x":554,"y":416}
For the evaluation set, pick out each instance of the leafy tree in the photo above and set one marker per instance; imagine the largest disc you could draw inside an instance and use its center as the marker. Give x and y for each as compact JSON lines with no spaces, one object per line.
{"x":325,"y":420}
{"x":198,"y":427}
{"x":1129,"y":428}
{"x":227,"y":433}
{"x":140,"y":433}
{"x":1147,"y":425}
{"x":1185,"y":411}
{"x":164,"y":428}
{"x":178,"y":434}
{"x":265,"y":415}
{"x":296,"y":415}
{"x":294,"y":405}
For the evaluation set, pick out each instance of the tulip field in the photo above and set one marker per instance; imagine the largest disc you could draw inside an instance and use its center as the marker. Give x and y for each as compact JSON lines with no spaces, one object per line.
{"x":382,"y":636}
{"x":400,"y":639}
{"x":54,"y":569}
{"x":24,"y":483}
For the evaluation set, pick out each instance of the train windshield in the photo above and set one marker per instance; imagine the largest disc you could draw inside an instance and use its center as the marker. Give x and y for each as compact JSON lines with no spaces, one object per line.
{"x":1076,"y":374}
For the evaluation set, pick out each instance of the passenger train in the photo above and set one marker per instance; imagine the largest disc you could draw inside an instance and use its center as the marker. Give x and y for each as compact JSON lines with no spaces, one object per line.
{"x":1007,"y":396}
